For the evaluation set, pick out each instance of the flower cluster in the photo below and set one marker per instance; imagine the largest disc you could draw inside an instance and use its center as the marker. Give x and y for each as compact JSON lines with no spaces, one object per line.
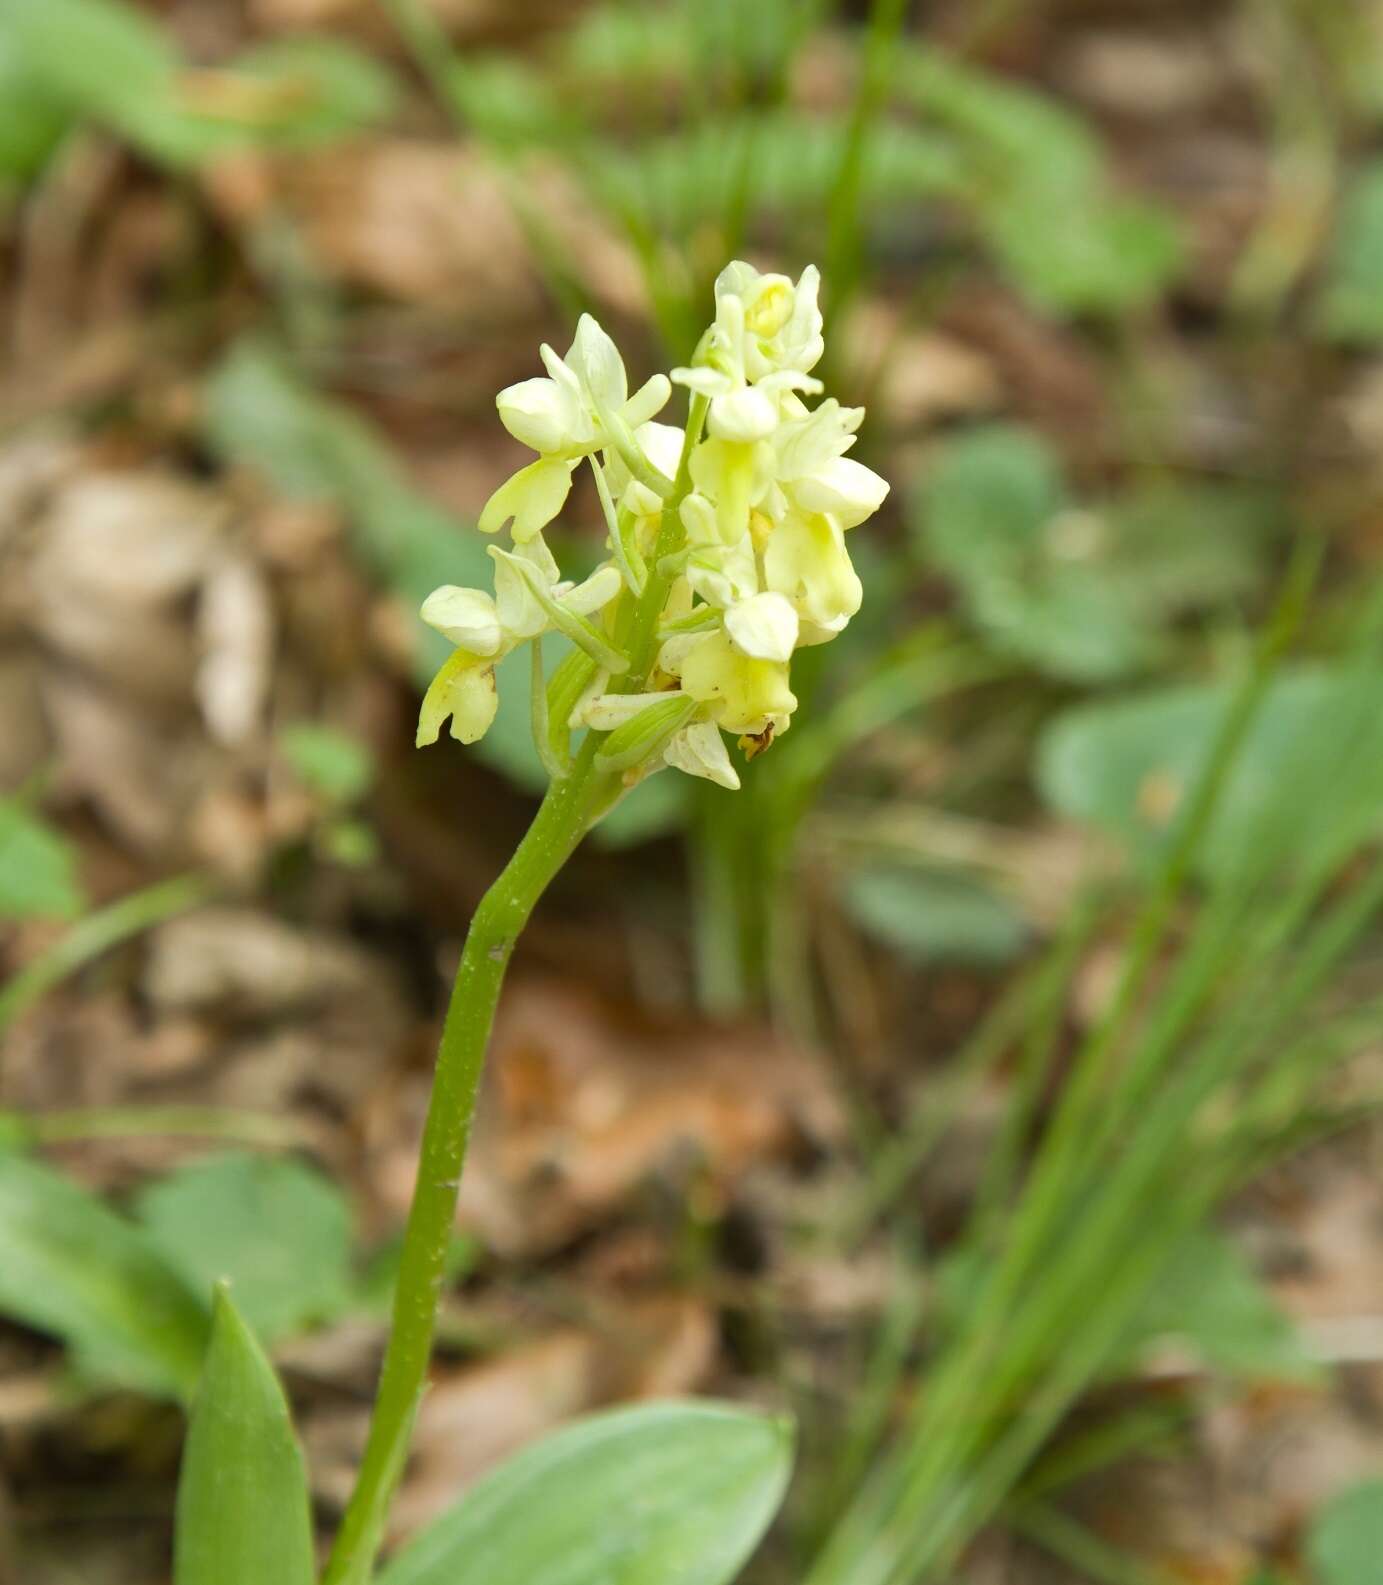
{"x":734,"y":529}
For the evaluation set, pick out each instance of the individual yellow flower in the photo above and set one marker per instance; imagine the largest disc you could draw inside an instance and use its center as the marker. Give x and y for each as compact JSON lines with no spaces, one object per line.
{"x":569,"y":413}
{"x":749,"y":694}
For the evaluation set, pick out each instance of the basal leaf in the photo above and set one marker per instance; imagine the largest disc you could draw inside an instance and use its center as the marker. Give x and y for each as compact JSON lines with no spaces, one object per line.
{"x":243,"y":1516}
{"x":277,"y":1230}
{"x":661,"y":1494}
{"x":1308,"y":779}
{"x":72,"y":1266}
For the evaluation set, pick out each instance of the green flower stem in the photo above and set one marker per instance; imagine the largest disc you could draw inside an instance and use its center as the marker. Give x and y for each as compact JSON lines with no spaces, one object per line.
{"x":643,"y":638}
{"x":570,"y":807}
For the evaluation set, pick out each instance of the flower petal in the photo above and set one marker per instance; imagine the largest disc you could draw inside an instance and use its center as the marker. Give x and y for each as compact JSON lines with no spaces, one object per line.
{"x":540,"y":414}
{"x":846,"y":489}
{"x":468,"y":617}
{"x":532,"y":498}
{"x":745,"y":415}
{"x":699,"y":750}
{"x":595,"y":360}
{"x":595,"y":592}
{"x":763,"y":626}
{"x":747,"y":692}
{"x":463,"y":689}
{"x":650,"y":398}
{"x":606,"y":711}
{"x":807,"y":561}
{"x":705,"y":382}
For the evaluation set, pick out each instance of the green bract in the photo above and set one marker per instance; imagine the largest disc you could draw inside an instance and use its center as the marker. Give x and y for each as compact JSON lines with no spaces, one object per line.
{"x":750,"y":549}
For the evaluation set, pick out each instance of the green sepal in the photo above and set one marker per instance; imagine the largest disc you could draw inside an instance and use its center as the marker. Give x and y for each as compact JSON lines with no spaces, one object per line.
{"x":556,"y":756}
{"x":701,"y":620}
{"x":646,"y":735}
{"x":572,"y":676}
{"x":584,"y":634}
{"x":620,"y":526}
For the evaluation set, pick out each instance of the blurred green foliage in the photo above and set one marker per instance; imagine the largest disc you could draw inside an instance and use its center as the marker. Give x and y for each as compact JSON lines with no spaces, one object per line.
{"x":1345,"y":1540}
{"x":38,"y":867}
{"x":106,"y":61}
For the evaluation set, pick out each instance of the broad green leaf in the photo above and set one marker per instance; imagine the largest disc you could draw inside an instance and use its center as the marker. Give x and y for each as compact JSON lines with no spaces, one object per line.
{"x":279,"y":1231}
{"x":1083,"y":592}
{"x":1210,"y":1299}
{"x":1307,"y":781}
{"x":935,"y":918}
{"x":333,"y":764}
{"x":243,"y":1516}
{"x":99,"y":55}
{"x":994,"y":516}
{"x":38,"y":878}
{"x":1345,"y":1541}
{"x":1351,"y":302}
{"x":661,"y":1494}
{"x":71,"y":1266}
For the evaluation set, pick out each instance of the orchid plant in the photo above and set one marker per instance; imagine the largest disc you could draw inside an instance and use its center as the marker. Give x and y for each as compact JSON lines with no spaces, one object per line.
{"x":727,"y":553}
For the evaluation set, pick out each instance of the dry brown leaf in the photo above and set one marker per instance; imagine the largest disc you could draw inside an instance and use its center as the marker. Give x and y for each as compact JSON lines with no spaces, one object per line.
{"x":430,"y":222}
{"x":586,"y":1101}
{"x":139,"y":775}
{"x":236,"y":630}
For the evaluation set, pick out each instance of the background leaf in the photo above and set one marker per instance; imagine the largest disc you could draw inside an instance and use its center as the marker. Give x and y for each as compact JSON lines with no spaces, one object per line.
{"x":277,"y":1230}
{"x":243,"y":1514}
{"x":1030,"y":159}
{"x":332,"y":763}
{"x":993,"y":515}
{"x":72,"y":1266}
{"x":38,"y":875}
{"x":936,"y":918}
{"x":660,"y":1494}
{"x":1351,"y":301}
{"x":1345,"y":1541}
{"x":1308,"y":779}
{"x":1211,"y":1298}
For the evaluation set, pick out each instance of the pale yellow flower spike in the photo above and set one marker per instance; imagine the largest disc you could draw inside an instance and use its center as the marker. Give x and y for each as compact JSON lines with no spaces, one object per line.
{"x":762,"y":567}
